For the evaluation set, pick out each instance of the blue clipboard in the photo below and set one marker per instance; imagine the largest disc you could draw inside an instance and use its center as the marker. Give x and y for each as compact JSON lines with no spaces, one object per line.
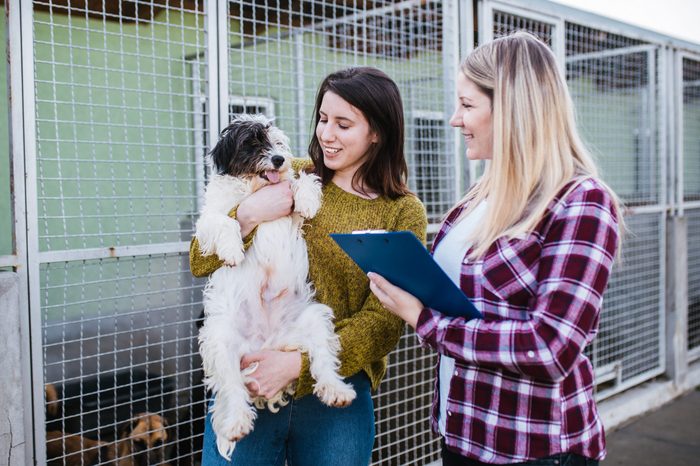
{"x":402,"y":259}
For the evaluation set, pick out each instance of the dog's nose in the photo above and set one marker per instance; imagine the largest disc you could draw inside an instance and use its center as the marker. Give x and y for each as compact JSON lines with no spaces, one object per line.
{"x":277,"y":161}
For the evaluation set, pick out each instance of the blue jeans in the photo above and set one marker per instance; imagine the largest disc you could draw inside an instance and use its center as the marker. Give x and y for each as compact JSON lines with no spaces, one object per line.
{"x":304,"y":433}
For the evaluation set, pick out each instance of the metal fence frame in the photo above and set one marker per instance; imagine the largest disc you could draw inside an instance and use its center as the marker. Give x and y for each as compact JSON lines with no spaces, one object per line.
{"x":609,"y":376}
{"x":688,"y":209}
{"x":21,"y":148}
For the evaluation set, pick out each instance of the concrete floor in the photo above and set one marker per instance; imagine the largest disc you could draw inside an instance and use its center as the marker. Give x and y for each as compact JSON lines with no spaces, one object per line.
{"x":667,"y":437}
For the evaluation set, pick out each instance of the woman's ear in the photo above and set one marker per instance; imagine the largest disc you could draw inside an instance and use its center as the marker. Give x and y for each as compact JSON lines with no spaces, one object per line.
{"x":375,"y":137}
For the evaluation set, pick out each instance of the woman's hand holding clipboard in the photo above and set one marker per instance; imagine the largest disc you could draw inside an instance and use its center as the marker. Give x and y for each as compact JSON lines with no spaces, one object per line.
{"x":401,"y":259}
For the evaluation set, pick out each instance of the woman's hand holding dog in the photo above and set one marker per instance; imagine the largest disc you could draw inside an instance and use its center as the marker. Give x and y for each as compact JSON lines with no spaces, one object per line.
{"x":266,"y":204}
{"x":275,"y":370}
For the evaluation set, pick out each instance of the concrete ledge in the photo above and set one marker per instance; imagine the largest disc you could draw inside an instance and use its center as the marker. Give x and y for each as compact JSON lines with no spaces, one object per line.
{"x":12,"y":435}
{"x":635,"y":402}
{"x":693,"y":376}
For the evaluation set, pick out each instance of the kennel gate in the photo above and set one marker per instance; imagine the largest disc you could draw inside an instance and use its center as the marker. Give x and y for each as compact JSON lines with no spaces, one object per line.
{"x":120,"y":102}
{"x":688,"y":108}
{"x":617,"y":90}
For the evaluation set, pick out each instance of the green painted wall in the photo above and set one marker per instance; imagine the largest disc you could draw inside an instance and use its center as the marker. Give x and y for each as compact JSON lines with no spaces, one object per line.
{"x":116,"y":150}
{"x":267,"y":69}
{"x":116,"y":158}
{"x":114,"y":119}
{"x":116,"y":128}
{"x":115,"y":123}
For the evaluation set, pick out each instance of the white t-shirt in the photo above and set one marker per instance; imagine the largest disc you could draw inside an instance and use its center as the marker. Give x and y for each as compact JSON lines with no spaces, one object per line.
{"x":449,"y":254}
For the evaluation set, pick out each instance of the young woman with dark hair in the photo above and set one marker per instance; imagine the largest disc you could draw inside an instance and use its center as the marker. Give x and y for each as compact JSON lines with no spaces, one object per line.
{"x":358,"y":151}
{"x":383,"y":169}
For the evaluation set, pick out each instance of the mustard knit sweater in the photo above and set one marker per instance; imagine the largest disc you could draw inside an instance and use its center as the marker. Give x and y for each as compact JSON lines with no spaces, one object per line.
{"x":367,"y":332}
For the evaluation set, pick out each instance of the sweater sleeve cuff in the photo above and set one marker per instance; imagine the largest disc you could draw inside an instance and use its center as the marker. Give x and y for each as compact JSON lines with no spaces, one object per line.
{"x":305,"y":383}
{"x":248,"y":240}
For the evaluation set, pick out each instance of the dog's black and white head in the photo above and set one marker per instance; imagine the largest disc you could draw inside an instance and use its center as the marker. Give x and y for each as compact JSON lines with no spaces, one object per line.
{"x":251,"y":147}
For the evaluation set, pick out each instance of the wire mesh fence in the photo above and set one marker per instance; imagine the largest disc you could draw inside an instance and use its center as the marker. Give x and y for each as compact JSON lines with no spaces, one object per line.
{"x":691,"y":192}
{"x":118,"y":342}
{"x":116,"y":168}
{"x":694,"y":281}
{"x":614,"y":84}
{"x":630,"y":344}
{"x":114,"y":111}
{"x":506,"y":22}
{"x":691,"y":129}
{"x":122,"y":117}
{"x":402,"y":407}
{"x":278,"y":58}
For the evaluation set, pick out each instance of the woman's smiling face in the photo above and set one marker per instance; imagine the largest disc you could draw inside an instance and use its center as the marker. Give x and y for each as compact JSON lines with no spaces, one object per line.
{"x":473,"y":116}
{"x":344,"y":135}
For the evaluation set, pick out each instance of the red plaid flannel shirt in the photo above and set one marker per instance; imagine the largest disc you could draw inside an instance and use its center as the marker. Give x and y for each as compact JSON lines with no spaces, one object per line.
{"x":522,"y":387}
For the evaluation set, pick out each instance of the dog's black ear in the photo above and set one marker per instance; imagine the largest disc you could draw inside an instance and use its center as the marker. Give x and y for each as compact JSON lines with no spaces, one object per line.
{"x":223,"y":151}
{"x":240,"y":147}
{"x":237,"y":136}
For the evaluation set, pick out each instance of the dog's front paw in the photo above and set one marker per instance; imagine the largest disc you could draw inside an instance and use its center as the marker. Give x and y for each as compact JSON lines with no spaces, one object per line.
{"x":307,"y":208}
{"x":231,"y":254}
{"x":334,"y":393}
{"x":307,"y":195}
{"x":238,"y":425}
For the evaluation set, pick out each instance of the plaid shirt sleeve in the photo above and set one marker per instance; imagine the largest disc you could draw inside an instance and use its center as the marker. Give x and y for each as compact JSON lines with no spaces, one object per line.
{"x":578,"y":249}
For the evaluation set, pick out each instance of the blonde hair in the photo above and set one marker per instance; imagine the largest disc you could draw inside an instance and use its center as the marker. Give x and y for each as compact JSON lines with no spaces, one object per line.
{"x":536,"y":150}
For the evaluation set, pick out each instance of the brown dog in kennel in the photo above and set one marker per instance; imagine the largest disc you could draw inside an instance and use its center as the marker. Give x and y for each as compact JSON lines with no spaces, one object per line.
{"x":141,"y":441}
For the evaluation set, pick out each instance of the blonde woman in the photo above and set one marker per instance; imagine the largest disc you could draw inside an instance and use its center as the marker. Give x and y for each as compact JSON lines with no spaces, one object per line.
{"x":532,"y":244}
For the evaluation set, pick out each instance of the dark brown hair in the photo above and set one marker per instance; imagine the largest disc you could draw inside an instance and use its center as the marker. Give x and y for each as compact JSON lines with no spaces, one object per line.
{"x":376,"y":95}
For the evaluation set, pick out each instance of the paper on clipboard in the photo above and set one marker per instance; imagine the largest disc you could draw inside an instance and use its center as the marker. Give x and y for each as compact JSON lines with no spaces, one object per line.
{"x":402,"y":259}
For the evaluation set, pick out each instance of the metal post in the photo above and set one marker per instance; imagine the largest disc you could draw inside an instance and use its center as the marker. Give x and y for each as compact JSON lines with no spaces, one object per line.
{"x":21,"y":37}
{"x":213,"y":10}
{"x":222,"y":46}
{"x":450,"y":60}
{"x":466,"y":45}
{"x":677,"y":301}
{"x":300,"y":95}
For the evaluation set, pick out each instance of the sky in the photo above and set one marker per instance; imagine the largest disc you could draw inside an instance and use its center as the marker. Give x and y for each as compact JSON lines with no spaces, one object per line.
{"x":677,"y":18}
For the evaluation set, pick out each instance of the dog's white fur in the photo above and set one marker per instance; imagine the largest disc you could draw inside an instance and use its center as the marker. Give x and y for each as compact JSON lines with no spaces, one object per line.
{"x":260,"y":299}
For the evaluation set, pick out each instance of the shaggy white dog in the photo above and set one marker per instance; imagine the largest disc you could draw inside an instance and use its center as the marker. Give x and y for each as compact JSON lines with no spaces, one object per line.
{"x":260,"y":298}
